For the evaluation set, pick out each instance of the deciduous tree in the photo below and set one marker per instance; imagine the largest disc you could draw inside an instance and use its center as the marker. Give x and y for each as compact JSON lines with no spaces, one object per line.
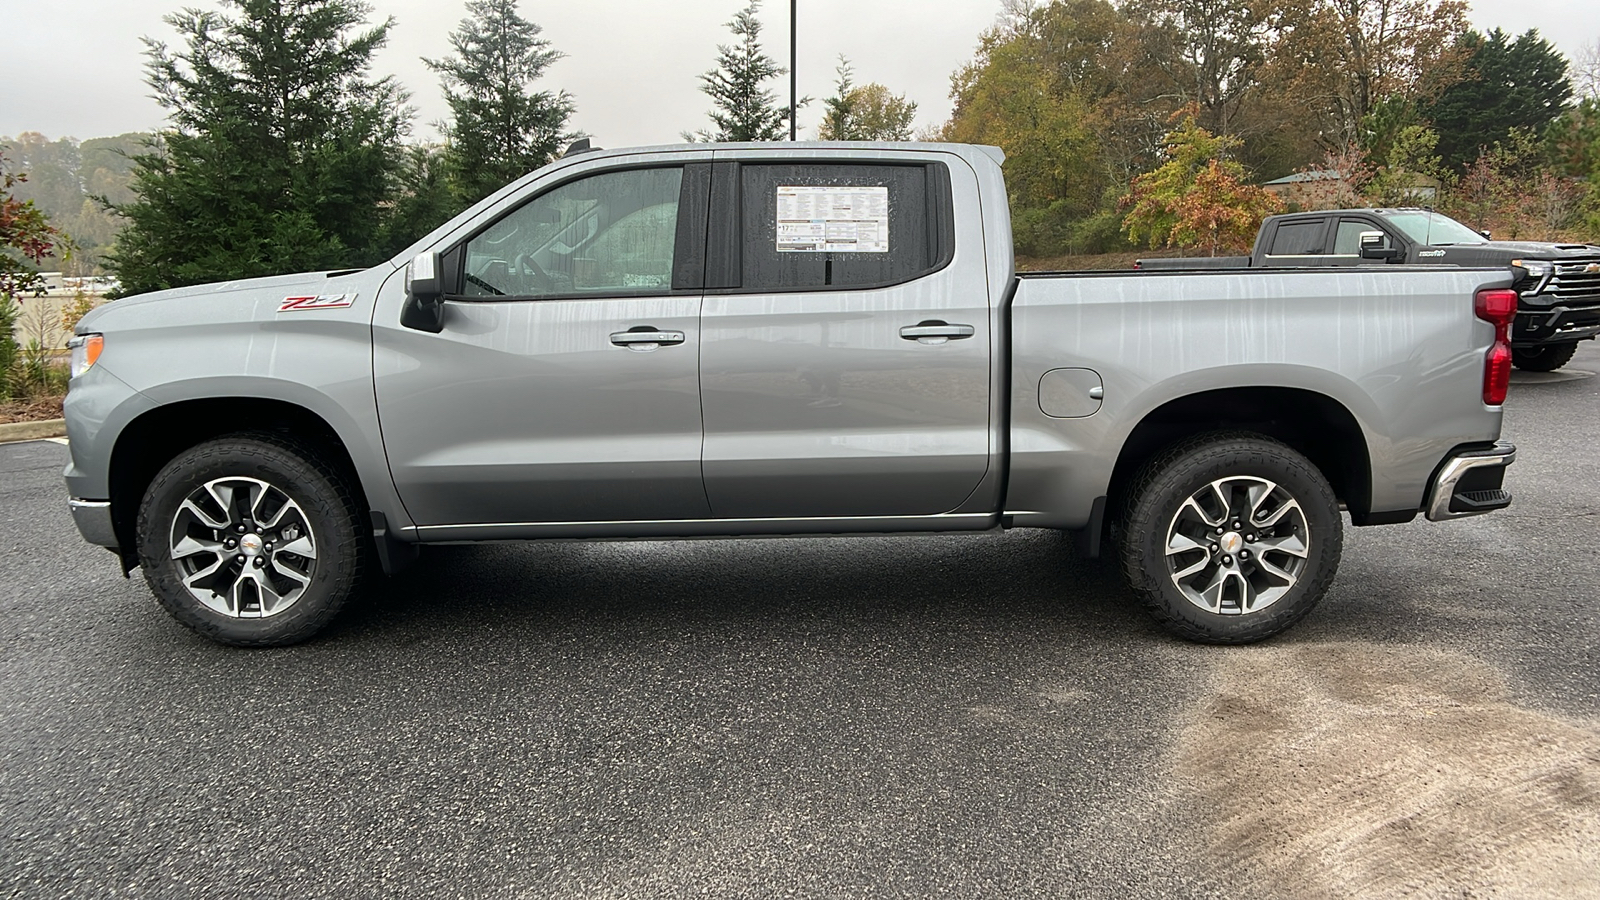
{"x":1035,"y":89}
{"x":1407,"y":168}
{"x":1339,"y":58}
{"x":1207,"y":51}
{"x":1198,"y":197}
{"x":25,"y":232}
{"x":866,"y":112}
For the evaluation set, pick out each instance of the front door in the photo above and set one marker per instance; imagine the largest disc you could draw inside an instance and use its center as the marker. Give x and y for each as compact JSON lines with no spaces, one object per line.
{"x":564,"y":386}
{"x":845,"y":361}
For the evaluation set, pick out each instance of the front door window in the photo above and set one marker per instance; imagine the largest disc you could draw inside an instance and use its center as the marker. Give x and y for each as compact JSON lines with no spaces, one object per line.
{"x":611,"y":234}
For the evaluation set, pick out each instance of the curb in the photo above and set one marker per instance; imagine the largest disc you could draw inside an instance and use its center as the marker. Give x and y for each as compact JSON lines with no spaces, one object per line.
{"x":32,"y":431}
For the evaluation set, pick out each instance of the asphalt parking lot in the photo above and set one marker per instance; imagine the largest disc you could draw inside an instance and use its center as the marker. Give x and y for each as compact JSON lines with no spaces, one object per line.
{"x":953,"y":716}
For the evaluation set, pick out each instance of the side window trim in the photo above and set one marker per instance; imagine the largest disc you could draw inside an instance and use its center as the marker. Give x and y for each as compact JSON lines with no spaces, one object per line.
{"x":454,"y":258}
{"x":724,"y":241}
{"x":689,"y":249}
{"x":725,"y":237}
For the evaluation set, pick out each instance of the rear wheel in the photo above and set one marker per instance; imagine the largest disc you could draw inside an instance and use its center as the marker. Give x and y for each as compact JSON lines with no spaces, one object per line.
{"x":251,"y":540}
{"x":1230,"y":538}
{"x":1548,"y":358}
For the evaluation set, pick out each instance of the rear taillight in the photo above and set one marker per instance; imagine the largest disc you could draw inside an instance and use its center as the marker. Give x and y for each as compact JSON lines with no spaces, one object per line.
{"x":1498,"y":308}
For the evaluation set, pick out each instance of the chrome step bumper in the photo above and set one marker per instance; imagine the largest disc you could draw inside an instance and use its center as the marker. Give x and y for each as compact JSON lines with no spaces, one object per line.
{"x":1469,"y":483}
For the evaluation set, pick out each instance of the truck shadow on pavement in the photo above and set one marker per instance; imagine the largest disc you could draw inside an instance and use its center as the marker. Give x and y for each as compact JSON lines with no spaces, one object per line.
{"x":1027,"y":579}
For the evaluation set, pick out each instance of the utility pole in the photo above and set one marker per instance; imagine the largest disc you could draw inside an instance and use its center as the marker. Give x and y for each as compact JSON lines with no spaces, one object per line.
{"x":792,"y":60}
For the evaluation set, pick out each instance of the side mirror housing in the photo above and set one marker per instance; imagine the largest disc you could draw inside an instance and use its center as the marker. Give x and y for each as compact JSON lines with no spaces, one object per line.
{"x":424,"y":306}
{"x":1372,"y":247}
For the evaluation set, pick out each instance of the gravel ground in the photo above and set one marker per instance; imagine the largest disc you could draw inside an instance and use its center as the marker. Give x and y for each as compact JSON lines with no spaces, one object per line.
{"x":901,"y":717}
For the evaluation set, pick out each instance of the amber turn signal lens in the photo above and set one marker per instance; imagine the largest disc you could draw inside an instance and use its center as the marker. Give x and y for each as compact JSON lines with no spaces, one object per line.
{"x":85,"y":352}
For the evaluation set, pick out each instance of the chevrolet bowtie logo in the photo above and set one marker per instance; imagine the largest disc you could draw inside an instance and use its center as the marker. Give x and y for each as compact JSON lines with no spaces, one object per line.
{"x":1591,"y":269}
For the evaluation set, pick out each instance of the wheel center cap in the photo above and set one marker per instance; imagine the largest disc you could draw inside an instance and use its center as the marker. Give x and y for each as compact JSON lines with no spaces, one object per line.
{"x":251,"y":544}
{"x":1231,"y":542}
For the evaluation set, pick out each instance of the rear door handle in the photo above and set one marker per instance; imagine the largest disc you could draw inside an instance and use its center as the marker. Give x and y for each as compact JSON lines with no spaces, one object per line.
{"x":935,"y":332}
{"x":646,"y":338}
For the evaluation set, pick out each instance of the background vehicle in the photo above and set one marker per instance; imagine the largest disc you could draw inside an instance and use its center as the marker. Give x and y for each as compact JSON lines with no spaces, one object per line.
{"x":1559,"y":284}
{"x":776,"y":339}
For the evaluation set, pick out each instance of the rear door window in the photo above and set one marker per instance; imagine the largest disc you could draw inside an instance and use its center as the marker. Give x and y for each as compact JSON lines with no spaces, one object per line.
{"x":820,"y":226}
{"x":1298,"y":238}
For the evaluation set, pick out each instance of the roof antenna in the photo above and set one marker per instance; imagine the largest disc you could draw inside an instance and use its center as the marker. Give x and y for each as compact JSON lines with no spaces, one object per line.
{"x":581,"y":145}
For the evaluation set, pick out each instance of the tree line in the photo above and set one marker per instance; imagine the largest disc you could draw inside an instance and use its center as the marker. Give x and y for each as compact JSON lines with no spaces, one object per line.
{"x":1139,"y":121}
{"x":1389,"y":100}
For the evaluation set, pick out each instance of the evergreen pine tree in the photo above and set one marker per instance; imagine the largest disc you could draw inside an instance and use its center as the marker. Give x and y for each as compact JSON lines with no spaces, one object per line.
{"x":423,"y":197}
{"x":280,"y":153}
{"x":1510,"y":83}
{"x":501,"y":128}
{"x":744,"y":110}
{"x":837,"y":119}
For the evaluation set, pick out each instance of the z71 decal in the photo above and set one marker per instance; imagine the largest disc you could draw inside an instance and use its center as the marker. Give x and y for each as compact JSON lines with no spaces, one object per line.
{"x":324,"y":301}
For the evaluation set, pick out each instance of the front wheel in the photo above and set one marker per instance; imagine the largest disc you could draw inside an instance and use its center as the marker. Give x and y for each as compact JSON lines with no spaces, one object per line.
{"x":251,"y":540}
{"x":1547,"y":358}
{"x":1230,"y":538}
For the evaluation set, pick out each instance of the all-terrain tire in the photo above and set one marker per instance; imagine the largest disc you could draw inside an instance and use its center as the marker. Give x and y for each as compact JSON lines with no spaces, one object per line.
{"x":1221,"y":472}
{"x":316,"y":513}
{"x":1548,"y":358}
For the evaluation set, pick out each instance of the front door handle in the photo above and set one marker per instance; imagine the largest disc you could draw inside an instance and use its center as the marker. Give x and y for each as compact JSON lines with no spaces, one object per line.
{"x":936,"y":332}
{"x":646,"y":337}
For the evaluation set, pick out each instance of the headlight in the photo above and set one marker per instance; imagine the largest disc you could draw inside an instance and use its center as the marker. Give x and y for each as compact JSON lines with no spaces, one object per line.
{"x":85,"y":351}
{"x":1537,"y":268}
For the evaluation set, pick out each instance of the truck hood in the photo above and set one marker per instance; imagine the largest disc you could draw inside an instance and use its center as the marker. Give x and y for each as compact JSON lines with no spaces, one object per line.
{"x":256,"y":298}
{"x":1500,"y":253}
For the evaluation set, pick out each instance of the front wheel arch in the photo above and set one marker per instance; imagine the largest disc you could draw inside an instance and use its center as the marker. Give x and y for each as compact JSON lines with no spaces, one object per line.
{"x":157,"y":436}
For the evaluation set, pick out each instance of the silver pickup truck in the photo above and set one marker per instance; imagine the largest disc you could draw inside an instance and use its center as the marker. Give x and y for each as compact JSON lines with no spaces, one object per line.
{"x":730,"y":340}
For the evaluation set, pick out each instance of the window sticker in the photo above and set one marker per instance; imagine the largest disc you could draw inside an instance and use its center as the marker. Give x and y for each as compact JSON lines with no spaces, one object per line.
{"x":833,"y":219}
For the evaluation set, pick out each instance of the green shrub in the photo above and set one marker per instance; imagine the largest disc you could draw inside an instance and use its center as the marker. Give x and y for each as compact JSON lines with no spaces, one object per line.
{"x":8,"y":345}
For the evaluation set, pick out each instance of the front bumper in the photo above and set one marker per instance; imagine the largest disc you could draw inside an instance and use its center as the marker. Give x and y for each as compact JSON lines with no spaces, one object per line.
{"x":1556,"y":325}
{"x":1469,"y":483}
{"x":93,"y":518}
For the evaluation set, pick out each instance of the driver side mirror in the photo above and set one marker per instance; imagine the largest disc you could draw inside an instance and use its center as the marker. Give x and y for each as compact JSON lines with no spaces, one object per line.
{"x":1372,"y":247}
{"x":424,"y":306}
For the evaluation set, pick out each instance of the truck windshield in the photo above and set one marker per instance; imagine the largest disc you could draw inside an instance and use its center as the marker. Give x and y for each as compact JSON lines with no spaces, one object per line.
{"x":1431,"y":229}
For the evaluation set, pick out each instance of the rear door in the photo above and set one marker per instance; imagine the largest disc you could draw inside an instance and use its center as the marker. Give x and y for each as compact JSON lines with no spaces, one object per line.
{"x":846,"y":345}
{"x":564,"y":386}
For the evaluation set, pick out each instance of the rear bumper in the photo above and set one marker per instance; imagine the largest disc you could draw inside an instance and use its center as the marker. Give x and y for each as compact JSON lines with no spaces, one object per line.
{"x":1556,"y":325}
{"x":1469,"y":483}
{"x":93,"y":518}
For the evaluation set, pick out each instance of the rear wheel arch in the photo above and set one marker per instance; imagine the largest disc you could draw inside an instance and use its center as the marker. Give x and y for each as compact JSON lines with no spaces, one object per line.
{"x":156,"y":436}
{"x":1313,"y":424}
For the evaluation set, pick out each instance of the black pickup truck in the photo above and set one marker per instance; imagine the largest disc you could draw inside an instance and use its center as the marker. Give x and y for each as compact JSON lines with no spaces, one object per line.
{"x":1559,"y":284}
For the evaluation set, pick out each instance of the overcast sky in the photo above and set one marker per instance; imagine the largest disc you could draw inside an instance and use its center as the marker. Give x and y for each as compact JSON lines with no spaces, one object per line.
{"x":75,"y":67}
